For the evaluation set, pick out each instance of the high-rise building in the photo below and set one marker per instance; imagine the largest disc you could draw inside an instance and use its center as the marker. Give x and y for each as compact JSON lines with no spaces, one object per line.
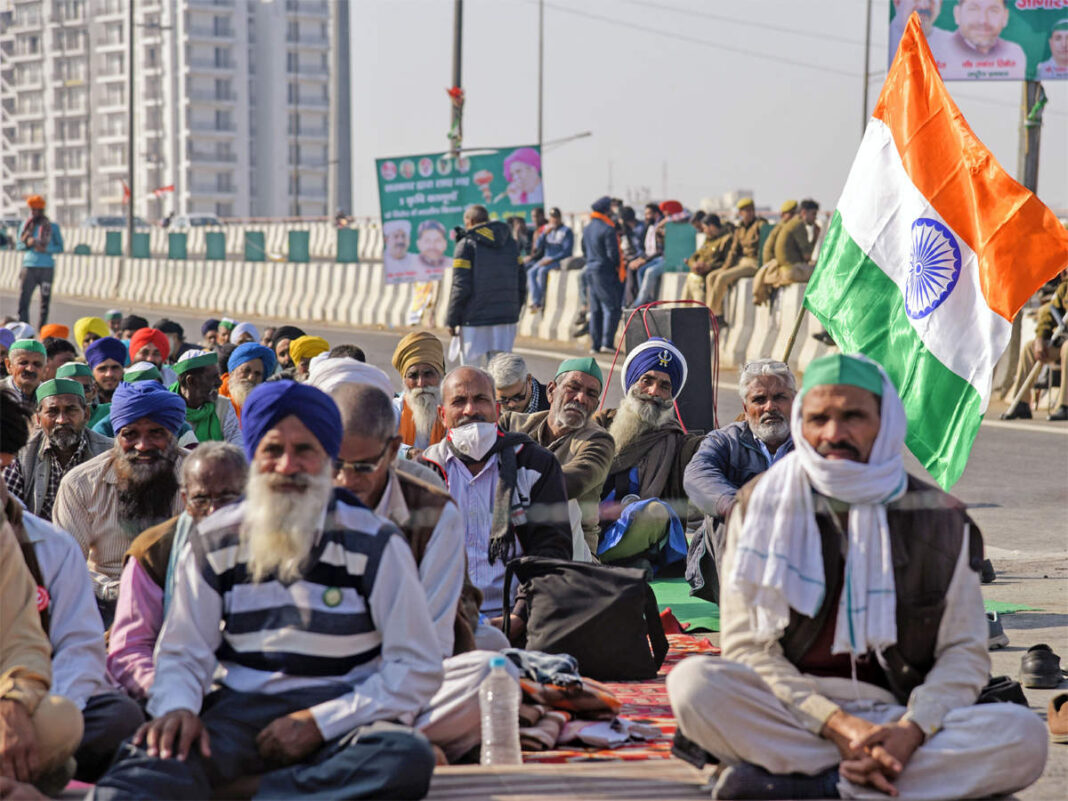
{"x":232,"y":113}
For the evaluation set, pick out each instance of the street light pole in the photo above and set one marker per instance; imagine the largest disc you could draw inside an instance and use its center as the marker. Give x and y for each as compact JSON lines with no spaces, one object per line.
{"x":457,"y":128}
{"x":130,"y":135}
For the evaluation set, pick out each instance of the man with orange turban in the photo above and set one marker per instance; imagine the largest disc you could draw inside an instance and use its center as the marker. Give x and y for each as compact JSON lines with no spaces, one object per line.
{"x":39,"y":238}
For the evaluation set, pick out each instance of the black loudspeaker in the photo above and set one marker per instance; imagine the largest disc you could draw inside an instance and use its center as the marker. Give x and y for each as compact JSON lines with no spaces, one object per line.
{"x":689,"y":329}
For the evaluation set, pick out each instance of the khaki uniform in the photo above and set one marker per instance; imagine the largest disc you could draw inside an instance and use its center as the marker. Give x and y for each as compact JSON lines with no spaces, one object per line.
{"x":705,"y":265}
{"x":1043,"y":333}
{"x":741,"y":262}
{"x":767,"y":260}
{"x":793,"y":259}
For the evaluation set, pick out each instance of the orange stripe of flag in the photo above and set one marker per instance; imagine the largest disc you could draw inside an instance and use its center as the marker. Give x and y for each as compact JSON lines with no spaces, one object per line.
{"x":1020,"y":244}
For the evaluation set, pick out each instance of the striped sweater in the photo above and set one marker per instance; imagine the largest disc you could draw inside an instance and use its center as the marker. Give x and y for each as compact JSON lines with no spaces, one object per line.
{"x":356,"y":619}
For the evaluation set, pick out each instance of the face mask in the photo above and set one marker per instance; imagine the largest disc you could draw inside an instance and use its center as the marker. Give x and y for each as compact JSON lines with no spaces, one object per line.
{"x":474,"y":440}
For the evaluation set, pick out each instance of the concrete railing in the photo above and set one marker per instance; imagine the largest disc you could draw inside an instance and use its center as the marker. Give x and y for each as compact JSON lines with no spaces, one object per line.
{"x":357,"y":295}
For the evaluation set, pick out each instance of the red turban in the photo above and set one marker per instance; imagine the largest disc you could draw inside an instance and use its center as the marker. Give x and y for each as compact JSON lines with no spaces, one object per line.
{"x":670,"y":207}
{"x":143,"y":336}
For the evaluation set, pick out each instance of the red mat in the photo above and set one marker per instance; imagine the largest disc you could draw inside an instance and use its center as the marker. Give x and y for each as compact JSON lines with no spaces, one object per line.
{"x":645,"y":701}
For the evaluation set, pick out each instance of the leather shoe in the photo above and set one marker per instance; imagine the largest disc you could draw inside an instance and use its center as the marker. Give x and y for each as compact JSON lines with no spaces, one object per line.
{"x":1060,"y":414}
{"x":986,"y":573}
{"x":1040,"y":668}
{"x":1057,"y":718}
{"x":1021,"y":411}
{"x":996,"y":636}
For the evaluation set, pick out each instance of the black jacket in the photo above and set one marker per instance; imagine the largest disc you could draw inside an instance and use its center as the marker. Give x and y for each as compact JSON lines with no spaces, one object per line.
{"x":489,"y":284}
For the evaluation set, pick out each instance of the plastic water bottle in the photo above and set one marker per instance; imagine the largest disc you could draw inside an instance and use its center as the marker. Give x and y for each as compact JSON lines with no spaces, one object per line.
{"x":498,"y":699}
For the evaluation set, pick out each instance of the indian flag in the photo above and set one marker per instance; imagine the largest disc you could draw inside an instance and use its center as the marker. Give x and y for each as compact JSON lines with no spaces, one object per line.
{"x":932,"y":251}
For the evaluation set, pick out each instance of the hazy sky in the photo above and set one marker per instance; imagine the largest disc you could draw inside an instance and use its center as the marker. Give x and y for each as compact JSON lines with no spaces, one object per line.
{"x":751,"y":94}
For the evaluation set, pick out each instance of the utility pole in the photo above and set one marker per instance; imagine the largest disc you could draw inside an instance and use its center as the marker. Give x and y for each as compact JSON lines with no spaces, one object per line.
{"x":130,"y":134}
{"x":1032,"y":103}
{"x":541,"y":67}
{"x":456,"y":132}
{"x":867,"y":69}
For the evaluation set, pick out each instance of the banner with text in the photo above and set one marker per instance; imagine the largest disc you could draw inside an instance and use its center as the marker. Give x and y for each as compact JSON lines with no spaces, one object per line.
{"x":423,"y":198}
{"x":983,"y":40}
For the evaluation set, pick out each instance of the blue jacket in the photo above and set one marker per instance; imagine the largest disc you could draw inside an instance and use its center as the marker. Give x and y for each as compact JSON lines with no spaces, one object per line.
{"x":33,"y":258}
{"x":600,"y":247}
{"x":559,"y":243}
{"x":727,"y":459}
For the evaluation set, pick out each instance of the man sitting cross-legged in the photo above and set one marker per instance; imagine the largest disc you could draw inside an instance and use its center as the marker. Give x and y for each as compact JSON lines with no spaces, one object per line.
{"x":854,"y":639}
{"x":311,"y":605}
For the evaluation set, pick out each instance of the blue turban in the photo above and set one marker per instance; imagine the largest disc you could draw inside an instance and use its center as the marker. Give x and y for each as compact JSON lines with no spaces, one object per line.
{"x":106,"y":348}
{"x":7,"y":337}
{"x":211,"y":324}
{"x":272,"y":401}
{"x":248,"y":352}
{"x":656,"y":353}
{"x":602,"y":205}
{"x":148,"y":399}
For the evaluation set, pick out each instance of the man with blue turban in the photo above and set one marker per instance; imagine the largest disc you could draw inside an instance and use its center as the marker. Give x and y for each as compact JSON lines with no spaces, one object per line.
{"x":106,"y":357}
{"x":113,"y":497}
{"x":644,"y":509}
{"x":249,"y":366}
{"x":312,"y":607}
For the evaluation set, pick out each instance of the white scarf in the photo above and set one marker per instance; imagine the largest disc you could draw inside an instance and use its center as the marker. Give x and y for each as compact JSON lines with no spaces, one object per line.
{"x":779,"y":559}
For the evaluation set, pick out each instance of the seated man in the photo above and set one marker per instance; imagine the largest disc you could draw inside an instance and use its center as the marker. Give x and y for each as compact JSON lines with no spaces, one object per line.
{"x":517,"y":389}
{"x":708,"y":259}
{"x":211,"y":415}
{"x":510,"y":491}
{"x":113,"y":497}
{"x":106,"y":358}
{"x":83,"y":374}
{"x":851,"y":664}
{"x":307,"y":600}
{"x":556,"y":243}
{"x":729,"y":457}
{"x":302,"y":350}
{"x":420,"y":359}
{"x":582,"y":447}
{"x":653,"y":267}
{"x":742,"y":257}
{"x":152,"y":345}
{"x":430,"y":522}
{"x":787,"y":212}
{"x":795,"y":246}
{"x":248,"y":366}
{"x":213,"y":476}
{"x":652,"y":452}
{"x":38,"y":732}
{"x":283,"y":336}
{"x":58,"y":352}
{"x":25,"y":369}
{"x":1046,"y":348}
{"x":62,"y":442}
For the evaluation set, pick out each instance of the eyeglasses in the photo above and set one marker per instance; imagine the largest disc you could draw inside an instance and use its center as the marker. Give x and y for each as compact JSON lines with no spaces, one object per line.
{"x":341,"y":466}
{"x":209,"y":503}
{"x":519,"y":397}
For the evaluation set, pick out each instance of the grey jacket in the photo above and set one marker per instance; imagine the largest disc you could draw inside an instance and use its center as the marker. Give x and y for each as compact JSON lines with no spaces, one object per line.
{"x":727,"y":459}
{"x":36,"y":464}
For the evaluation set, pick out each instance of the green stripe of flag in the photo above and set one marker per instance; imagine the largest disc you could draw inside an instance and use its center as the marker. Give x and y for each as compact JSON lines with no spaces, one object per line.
{"x":864,"y":311}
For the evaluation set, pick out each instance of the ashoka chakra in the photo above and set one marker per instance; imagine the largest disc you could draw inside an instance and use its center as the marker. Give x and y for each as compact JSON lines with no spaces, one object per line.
{"x":934,"y":267}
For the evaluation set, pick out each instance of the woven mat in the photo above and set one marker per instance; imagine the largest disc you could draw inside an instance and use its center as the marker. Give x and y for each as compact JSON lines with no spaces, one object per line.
{"x":646,"y":701}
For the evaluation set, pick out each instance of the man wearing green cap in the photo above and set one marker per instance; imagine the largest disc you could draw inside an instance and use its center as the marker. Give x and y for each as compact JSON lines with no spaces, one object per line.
{"x":25,"y":367}
{"x":584,"y":449}
{"x":62,"y":442}
{"x":853,"y":634}
{"x":212,"y":416}
{"x":83,"y":374}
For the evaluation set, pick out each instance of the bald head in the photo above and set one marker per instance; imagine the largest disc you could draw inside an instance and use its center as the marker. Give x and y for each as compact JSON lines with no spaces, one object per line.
{"x":468,"y":396}
{"x":365,"y":410}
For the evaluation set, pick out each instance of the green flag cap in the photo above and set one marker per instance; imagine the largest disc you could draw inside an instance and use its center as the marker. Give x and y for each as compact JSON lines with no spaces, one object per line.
{"x":227,"y":323}
{"x":585,"y":364}
{"x":73,"y":370}
{"x":194,"y":362}
{"x":141,"y":372}
{"x":839,"y":368}
{"x":60,"y":386}
{"x":27,"y":344}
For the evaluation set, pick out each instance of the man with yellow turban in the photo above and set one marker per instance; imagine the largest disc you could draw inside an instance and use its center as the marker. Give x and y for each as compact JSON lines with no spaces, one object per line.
{"x":88,"y":330}
{"x":420,"y":360}
{"x":303,"y":349}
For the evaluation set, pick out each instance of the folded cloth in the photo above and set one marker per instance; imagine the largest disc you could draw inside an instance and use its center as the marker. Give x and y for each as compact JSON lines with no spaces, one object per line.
{"x":591,"y":699}
{"x":607,"y":733}
{"x":529,"y":714}
{"x":544,"y":734}
{"x":561,"y":669}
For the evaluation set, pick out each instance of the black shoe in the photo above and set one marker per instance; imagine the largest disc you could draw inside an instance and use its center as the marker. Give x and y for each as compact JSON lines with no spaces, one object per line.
{"x":1002,"y":690}
{"x":721,"y":322}
{"x":1040,"y":668}
{"x":687,"y":750}
{"x":825,"y":338}
{"x":996,"y":636}
{"x":1021,"y":411}
{"x":744,"y":780}
{"x":1060,"y":414}
{"x":986,"y":573}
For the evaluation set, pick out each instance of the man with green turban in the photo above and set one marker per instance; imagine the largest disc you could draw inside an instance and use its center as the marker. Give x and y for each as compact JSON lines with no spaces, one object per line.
{"x":62,"y":442}
{"x":584,"y":449}
{"x":212,"y":416}
{"x":852,"y":626}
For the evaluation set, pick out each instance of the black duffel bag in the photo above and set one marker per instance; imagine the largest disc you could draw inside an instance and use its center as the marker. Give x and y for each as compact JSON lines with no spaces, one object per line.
{"x":605,"y":617}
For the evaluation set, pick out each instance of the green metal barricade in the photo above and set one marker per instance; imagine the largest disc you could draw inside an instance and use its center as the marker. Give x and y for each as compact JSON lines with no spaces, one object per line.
{"x":299,"y":242}
{"x":113,"y":243}
{"x":255,"y":246}
{"x":177,"y":243}
{"x":348,"y":241}
{"x":215,"y":246}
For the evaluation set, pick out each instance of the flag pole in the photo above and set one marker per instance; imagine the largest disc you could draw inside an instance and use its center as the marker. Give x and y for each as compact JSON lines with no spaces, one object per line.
{"x":793,"y":333}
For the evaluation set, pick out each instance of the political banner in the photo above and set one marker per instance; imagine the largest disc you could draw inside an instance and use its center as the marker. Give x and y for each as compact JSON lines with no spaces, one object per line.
{"x":423,"y":198}
{"x":990,"y":40}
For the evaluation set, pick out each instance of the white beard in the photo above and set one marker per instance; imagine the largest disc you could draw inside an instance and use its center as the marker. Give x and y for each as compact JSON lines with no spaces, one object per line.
{"x":779,"y":430}
{"x":279,"y":527}
{"x":424,"y":403}
{"x":239,"y":390}
{"x":634,"y":417}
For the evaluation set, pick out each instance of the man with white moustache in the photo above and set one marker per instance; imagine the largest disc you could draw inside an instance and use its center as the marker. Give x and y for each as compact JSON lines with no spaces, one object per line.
{"x":298,"y":601}
{"x":420,"y":359}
